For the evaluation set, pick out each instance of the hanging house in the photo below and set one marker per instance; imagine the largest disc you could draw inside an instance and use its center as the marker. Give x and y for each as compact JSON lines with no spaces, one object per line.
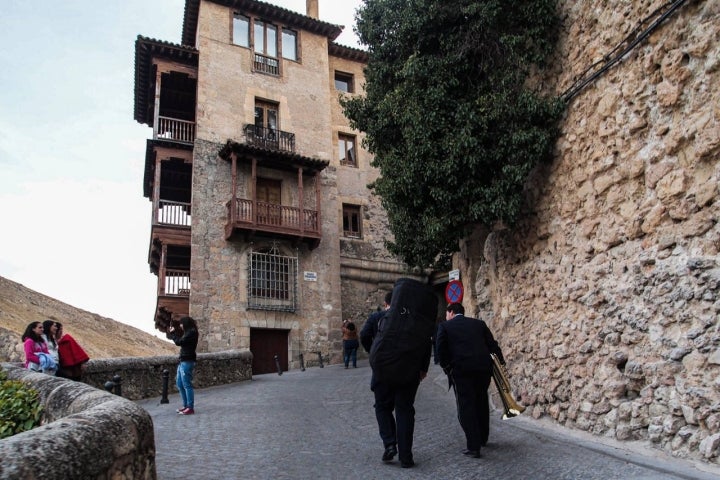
{"x":263,"y":228}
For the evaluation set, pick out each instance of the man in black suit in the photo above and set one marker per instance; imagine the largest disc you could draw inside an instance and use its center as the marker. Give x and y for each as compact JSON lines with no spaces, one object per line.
{"x":370,"y":329}
{"x":384,"y":397}
{"x":464,"y":346}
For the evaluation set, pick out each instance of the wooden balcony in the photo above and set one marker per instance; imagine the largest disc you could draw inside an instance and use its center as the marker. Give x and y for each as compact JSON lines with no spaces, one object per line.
{"x":170,"y":229}
{"x":175,"y":283}
{"x":173,"y":300}
{"x":174,"y":129}
{"x":264,"y":64}
{"x":269,"y":138}
{"x":170,"y":309}
{"x":252,"y":218}
{"x":174,"y":213}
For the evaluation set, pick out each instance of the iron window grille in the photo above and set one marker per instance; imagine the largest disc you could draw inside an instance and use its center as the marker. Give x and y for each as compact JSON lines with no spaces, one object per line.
{"x":272,"y":281}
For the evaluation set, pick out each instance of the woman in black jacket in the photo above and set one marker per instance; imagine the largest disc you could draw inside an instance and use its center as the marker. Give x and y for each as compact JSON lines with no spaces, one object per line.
{"x":187,"y":339}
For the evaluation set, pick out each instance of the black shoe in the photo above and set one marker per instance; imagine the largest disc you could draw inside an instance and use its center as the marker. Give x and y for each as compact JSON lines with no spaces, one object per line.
{"x":407,"y":463}
{"x":472,"y":453}
{"x":390,"y":452}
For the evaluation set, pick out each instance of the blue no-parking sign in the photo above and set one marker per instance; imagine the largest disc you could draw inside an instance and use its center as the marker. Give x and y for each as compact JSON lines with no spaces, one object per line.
{"x":454,"y":292}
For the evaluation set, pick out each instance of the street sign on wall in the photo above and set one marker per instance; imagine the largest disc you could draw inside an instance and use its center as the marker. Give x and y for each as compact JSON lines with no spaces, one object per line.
{"x":454,"y":292}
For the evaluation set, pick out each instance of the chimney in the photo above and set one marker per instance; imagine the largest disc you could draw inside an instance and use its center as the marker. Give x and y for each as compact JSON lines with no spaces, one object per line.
{"x":312,"y":9}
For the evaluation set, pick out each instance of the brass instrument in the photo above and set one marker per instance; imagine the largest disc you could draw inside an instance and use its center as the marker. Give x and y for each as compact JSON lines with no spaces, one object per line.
{"x":500,"y":376}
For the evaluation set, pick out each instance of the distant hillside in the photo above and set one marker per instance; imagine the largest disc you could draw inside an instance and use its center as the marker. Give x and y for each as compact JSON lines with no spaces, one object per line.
{"x":100,"y":336}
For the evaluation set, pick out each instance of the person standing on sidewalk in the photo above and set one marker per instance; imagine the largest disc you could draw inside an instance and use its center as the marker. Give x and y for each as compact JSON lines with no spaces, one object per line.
{"x":464,"y":346}
{"x":187,"y":340}
{"x":350,"y":343}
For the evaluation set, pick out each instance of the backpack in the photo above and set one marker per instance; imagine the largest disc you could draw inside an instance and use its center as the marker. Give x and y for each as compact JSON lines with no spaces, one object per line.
{"x":404,"y":333}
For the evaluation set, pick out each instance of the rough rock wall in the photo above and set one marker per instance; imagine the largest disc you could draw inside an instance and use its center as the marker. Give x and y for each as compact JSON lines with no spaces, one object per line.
{"x":605,"y":296}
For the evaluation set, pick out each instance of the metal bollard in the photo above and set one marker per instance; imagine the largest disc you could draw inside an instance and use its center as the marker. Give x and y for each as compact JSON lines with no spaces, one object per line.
{"x":118,"y":387}
{"x":109,"y":385}
{"x":165,"y":381}
{"x":302,"y":363}
{"x":320,"y":359}
{"x":277,"y":364}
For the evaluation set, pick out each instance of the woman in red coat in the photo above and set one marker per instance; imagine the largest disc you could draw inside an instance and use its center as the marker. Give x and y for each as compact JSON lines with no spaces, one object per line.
{"x":72,"y":355}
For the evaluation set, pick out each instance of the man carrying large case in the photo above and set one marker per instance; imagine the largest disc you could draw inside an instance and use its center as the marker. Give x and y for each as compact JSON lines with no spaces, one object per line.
{"x":400,"y":357}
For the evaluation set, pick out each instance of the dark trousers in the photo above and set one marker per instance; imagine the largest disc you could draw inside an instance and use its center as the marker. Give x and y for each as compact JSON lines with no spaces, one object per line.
{"x":472,"y":406}
{"x":350,"y":348}
{"x":399,"y":428}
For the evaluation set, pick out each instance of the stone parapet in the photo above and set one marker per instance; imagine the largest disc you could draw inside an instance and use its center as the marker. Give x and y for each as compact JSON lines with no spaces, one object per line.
{"x":141,"y":377}
{"x":97,"y":434}
{"x":85,"y":433}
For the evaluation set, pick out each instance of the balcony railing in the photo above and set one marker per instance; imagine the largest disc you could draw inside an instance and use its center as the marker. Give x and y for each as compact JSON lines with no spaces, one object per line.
{"x":270,"y":138}
{"x":269,"y":65}
{"x":174,"y":213}
{"x":273,"y":218}
{"x":177,"y":282}
{"x":175,"y":129}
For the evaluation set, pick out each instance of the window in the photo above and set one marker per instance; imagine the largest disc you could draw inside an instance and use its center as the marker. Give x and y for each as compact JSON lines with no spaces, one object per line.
{"x":265,"y":42}
{"x":241,"y":30}
{"x":344,"y":82}
{"x":265,"y":38}
{"x":266,"y":124}
{"x":272,"y":281}
{"x":352,"y":222}
{"x":289,"y":44}
{"x":346,"y":150}
{"x":266,"y":116}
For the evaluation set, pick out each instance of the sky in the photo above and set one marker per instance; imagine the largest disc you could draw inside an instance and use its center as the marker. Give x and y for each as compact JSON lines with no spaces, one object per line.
{"x":74,"y":224}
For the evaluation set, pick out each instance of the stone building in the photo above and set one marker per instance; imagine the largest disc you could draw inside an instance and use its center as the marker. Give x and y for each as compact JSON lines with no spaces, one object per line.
{"x":605,"y":296}
{"x":263,"y":227}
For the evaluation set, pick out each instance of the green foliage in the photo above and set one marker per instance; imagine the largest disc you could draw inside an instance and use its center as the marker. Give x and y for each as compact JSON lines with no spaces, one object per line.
{"x":448,"y":115}
{"x":20,"y":407}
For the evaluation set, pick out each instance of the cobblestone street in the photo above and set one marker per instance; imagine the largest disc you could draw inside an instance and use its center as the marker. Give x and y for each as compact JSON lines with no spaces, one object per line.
{"x":320,"y":424}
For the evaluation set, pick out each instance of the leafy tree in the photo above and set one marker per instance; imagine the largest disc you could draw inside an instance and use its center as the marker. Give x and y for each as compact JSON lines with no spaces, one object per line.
{"x":449,"y":116}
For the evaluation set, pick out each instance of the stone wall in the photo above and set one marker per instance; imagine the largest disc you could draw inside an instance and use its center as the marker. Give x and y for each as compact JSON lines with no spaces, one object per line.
{"x":116,"y":435}
{"x":605,"y":295}
{"x":8,"y":346}
{"x":142,"y":377}
{"x":85,"y":433}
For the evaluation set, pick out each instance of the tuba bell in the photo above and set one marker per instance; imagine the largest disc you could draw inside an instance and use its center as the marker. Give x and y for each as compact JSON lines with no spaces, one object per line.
{"x":510,"y":406}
